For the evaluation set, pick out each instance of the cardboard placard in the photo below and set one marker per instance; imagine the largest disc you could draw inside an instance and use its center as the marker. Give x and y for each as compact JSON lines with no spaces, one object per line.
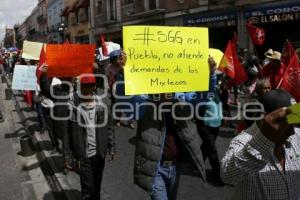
{"x":162,"y":59}
{"x":69,"y":60}
{"x":24,"y":77}
{"x":31,"y":50}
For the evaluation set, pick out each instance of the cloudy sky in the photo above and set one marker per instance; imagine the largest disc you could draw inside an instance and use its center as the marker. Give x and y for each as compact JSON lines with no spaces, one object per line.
{"x":13,"y":12}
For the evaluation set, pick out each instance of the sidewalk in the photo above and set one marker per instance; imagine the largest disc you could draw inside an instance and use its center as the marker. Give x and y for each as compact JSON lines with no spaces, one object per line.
{"x":20,"y":177}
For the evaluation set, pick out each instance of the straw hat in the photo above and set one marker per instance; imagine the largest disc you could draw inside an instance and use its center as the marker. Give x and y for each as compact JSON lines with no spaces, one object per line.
{"x":269,"y":52}
{"x":275,"y":56}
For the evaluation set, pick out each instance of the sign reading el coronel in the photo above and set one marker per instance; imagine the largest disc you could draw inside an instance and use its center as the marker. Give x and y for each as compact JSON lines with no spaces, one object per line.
{"x":163,"y":59}
{"x":274,"y":14}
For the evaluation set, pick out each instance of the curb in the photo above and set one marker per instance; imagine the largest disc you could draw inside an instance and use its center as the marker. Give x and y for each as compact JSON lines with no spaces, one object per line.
{"x":56,"y":181}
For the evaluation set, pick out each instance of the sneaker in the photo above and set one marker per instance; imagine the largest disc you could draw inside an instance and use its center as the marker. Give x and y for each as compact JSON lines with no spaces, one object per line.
{"x":131,"y":125}
{"x":118,"y":124}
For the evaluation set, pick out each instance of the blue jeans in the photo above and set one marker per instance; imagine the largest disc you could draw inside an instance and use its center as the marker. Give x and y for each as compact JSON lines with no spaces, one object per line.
{"x":165,"y":184}
{"x":40,"y":115}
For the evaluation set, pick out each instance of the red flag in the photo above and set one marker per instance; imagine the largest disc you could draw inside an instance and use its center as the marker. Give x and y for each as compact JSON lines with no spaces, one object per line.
{"x":256,"y":34}
{"x":287,"y":53}
{"x":291,"y":78}
{"x":104,"y":48}
{"x":41,"y":63}
{"x":231,"y":65}
{"x":240,"y":73}
{"x":226,"y":64}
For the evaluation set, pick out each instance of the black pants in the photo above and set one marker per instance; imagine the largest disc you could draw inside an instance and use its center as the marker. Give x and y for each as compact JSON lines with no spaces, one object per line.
{"x":208,"y":147}
{"x":91,"y":172}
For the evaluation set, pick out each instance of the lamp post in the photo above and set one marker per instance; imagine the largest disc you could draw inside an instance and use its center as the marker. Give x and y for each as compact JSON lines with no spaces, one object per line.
{"x":61,"y":30}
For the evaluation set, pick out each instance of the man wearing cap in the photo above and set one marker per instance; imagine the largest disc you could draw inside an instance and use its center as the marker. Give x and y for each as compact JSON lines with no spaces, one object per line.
{"x":274,"y":70}
{"x":89,"y":137}
{"x":263,"y":162}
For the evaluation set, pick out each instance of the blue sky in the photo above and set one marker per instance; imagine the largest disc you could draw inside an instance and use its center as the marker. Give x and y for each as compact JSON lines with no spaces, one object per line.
{"x":13,"y":12}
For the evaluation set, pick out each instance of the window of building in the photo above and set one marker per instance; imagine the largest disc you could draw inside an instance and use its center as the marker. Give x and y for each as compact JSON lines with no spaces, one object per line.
{"x":99,"y":4}
{"x":111,"y":5}
{"x":128,"y":1}
{"x":151,"y":4}
{"x":77,"y":16}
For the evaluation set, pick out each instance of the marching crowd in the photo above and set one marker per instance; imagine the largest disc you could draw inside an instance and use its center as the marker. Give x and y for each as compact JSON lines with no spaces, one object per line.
{"x":79,"y":113}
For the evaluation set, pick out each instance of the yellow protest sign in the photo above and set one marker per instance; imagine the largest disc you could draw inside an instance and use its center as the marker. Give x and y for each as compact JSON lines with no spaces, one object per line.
{"x":216,"y":54}
{"x":294,"y":117}
{"x":31,"y":50}
{"x":162,"y":59}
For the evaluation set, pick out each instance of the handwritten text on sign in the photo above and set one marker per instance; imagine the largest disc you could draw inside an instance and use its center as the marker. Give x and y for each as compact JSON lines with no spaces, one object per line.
{"x":165,"y":59}
{"x":69,"y":60}
{"x":24,"y":77}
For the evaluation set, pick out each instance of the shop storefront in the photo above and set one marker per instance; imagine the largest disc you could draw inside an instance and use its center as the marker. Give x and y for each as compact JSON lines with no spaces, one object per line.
{"x":222,"y":26}
{"x":280,"y":21}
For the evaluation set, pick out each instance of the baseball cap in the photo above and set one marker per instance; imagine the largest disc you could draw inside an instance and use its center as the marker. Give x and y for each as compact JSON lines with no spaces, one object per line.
{"x":276,"y":99}
{"x":87,"y":79}
{"x":115,"y":53}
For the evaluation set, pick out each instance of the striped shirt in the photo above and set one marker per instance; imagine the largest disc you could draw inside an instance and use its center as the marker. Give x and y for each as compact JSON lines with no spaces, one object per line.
{"x":251,"y":166}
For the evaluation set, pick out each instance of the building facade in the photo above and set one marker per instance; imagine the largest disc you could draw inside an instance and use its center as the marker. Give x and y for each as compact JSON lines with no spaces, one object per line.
{"x":54,"y":10}
{"x":224,"y":18}
{"x":76,"y":18}
{"x":32,"y":25}
{"x":42,"y":21}
{"x":85,"y":20}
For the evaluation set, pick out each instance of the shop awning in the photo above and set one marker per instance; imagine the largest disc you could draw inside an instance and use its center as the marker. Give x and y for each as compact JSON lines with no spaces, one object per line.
{"x":83,"y":3}
{"x":65,"y":11}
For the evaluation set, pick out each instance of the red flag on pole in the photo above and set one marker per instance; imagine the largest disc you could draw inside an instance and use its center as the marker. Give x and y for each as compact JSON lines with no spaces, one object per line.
{"x":287,"y":53}
{"x":256,"y":34}
{"x":104,"y":48}
{"x":226,"y":65}
{"x":231,"y":65}
{"x":41,"y":63}
{"x":240,"y":73}
{"x":291,"y":78}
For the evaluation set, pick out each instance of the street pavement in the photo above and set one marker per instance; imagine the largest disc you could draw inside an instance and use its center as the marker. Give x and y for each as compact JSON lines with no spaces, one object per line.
{"x":118,"y":175}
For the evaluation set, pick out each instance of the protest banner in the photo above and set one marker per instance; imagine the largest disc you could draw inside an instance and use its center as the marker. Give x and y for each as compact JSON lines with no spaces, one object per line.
{"x":162,"y":59}
{"x":69,"y":60}
{"x":31,"y":50}
{"x":24,"y":77}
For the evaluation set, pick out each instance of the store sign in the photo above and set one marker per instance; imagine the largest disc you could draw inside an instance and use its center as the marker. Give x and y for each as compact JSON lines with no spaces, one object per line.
{"x":212,"y":20}
{"x":272,"y":14}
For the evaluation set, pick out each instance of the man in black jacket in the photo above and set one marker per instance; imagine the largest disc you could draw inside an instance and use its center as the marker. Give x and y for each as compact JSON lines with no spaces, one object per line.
{"x":59,"y":93}
{"x":88,"y":137}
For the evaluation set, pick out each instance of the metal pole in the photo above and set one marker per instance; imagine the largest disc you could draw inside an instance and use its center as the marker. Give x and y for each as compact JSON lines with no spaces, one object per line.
{"x":92,"y":22}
